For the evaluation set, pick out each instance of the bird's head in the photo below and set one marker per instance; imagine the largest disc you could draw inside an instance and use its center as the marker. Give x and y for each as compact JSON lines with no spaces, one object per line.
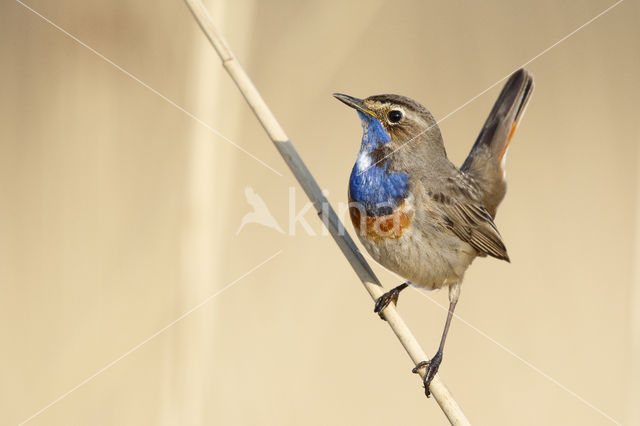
{"x":393,"y":121}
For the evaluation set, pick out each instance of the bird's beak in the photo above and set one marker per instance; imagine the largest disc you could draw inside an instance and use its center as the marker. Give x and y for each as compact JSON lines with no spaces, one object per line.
{"x":354,"y":103}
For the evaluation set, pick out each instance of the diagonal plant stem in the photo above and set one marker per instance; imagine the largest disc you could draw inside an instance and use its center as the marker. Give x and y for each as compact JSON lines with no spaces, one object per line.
{"x":442,"y":395}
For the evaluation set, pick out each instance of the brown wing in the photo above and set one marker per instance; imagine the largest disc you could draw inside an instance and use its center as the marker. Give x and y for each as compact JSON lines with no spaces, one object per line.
{"x":469,"y":220}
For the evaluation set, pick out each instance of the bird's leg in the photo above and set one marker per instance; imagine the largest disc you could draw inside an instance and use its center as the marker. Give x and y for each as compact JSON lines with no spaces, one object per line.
{"x":390,"y":296}
{"x":434,"y":363}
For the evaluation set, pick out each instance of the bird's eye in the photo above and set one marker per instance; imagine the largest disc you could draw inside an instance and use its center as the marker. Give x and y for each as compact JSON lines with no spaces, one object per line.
{"x":394,"y":116}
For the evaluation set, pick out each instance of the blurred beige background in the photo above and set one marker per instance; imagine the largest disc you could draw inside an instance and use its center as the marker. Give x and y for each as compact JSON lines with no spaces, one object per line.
{"x":119,"y":212}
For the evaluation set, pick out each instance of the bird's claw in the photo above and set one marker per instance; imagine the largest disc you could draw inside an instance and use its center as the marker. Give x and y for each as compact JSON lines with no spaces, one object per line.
{"x":383,"y":301}
{"x":420,"y":366}
{"x":431,"y":370}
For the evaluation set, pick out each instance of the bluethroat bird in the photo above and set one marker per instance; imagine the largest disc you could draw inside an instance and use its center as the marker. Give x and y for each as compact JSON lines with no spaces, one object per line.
{"x":414,"y":211}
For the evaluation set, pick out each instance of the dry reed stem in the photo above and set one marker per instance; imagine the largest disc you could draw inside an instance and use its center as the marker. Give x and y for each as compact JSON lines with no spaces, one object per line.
{"x":442,"y":395}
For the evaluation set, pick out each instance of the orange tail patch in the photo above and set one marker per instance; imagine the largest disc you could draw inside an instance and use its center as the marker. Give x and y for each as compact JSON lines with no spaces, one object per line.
{"x":511,"y":133}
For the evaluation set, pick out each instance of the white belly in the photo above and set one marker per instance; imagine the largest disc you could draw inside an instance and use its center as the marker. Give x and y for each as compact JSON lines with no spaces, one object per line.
{"x":428,"y":259}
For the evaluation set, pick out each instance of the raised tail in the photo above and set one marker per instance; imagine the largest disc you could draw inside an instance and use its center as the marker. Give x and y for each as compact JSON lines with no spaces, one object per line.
{"x":486,"y":161}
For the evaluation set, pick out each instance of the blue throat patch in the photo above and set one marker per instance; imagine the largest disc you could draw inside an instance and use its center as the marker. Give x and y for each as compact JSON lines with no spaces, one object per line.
{"x":373,"y":186}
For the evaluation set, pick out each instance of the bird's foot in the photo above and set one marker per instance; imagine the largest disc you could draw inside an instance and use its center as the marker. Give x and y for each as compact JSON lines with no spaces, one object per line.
{"x":431,"y":369}
{"x":389,"y":297}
